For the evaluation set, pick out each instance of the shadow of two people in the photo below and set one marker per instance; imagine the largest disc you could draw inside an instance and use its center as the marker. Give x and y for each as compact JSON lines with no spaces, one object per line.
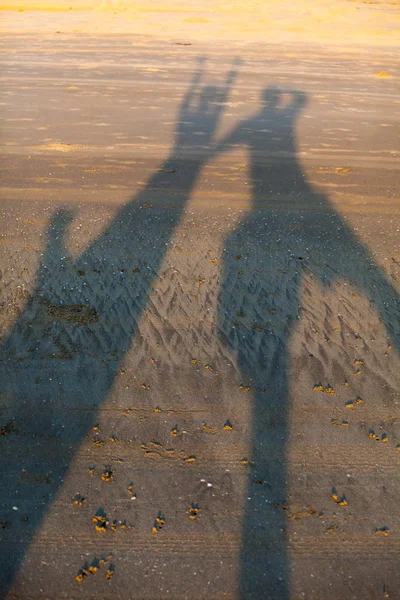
{"x":65,"y":348}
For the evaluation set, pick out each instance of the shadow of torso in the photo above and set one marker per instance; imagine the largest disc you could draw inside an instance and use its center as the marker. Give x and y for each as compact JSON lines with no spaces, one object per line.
{"x":290,"y":232}
{"x":61,"y":356}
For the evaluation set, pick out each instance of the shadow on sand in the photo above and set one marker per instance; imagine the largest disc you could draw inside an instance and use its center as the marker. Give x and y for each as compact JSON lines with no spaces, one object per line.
{"x":82,"y":316}
{"x":290,"y":231}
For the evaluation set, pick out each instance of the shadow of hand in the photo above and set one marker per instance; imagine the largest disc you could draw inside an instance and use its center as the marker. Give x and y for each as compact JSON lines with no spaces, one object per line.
{"x":199,"y":116}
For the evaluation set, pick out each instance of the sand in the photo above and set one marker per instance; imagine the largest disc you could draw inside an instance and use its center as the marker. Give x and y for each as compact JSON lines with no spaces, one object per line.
{"x":200,"y":314}
{"x":337,"y":22}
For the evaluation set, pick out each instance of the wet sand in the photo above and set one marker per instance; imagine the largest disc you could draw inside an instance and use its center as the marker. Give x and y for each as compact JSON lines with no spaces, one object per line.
{"x":200,"y":318}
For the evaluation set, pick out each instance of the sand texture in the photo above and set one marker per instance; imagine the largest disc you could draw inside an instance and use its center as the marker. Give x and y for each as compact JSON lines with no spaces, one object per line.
{"x":200,"y":319}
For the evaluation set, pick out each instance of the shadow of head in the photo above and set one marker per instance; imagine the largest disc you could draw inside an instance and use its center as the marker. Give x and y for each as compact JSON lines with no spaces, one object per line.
{"x":208,"y":97}
{"x":280,"y":100}
{"x":59,"y":223}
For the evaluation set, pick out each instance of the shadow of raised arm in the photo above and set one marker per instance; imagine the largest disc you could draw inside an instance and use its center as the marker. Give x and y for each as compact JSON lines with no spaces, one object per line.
{"x":199,"y":116}
{"x":62,"y":354}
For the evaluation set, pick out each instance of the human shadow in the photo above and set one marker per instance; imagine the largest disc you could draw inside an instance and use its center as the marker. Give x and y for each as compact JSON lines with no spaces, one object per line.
{"x":79,"y":322}
{"x":290,"y":230}
{"x":64,"y":350}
